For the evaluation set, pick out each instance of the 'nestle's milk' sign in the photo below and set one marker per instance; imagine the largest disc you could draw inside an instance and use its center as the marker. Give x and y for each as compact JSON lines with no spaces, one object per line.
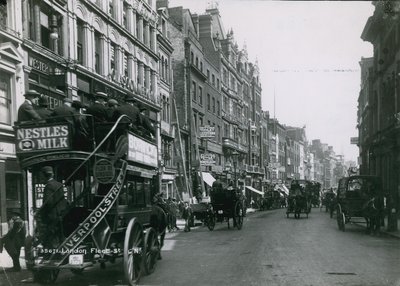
{"x":30,"y":139}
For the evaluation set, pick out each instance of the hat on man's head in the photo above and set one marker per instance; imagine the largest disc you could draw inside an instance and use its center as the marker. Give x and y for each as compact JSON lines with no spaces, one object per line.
{"x":112,"y":102}
{"x":47,"y":170}
{"x":43,"y":101}
{"x":140,"y":106}
{"x":76,"y":104}
{"x":32,"y":93}
{"x":130,"y":98}
{"x":100,"y":94}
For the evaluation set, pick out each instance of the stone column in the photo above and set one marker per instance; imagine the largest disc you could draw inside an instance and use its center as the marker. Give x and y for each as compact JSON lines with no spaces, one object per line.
{"x":140,"y":75}
{"x":36,"y":23}
{"x":153,"y":84}
{"x":129,"y":16}
{"x":153,"y":36}
{"x":146,"y":35}
{"x":87,"y":46}
{"x":140,"y":30}
{"x":147,"y":76}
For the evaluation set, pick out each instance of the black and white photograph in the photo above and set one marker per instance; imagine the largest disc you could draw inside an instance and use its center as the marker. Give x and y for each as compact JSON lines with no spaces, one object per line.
{"x":199,"y":142}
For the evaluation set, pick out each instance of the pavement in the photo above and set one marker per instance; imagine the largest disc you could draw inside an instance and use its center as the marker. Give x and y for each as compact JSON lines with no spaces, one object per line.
{"x":5,"y":259}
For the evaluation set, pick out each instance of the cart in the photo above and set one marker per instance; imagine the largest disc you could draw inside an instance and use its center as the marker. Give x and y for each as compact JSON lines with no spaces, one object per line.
{"x":359,"y":196}
{"x":108,"y":186}
{"x":299,"y":198}
{"x":226,"y":203}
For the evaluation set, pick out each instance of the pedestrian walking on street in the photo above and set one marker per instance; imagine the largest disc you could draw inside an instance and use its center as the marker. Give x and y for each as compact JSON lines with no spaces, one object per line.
{"x":14,"y":240}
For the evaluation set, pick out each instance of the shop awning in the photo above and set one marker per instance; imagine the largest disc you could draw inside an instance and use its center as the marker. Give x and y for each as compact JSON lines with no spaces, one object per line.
{"x":208,"y":178}
{"x":254,"y":190}
{"x":282,"y":189}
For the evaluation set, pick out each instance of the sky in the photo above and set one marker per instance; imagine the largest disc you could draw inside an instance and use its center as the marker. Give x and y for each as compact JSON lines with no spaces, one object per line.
{"x":308,"y":53}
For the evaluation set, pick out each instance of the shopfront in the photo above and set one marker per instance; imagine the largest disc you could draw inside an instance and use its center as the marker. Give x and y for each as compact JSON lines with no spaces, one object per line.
{"x":47,"y":77}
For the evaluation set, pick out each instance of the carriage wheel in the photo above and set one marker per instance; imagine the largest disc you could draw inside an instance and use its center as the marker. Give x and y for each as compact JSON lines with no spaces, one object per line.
{"x":133,"y":251}
{"x":151,"y":251}
{"x":238,"y":215}
{"x":210,"y":220}
{"x":343,"y":219}
{"x":45,"y":276}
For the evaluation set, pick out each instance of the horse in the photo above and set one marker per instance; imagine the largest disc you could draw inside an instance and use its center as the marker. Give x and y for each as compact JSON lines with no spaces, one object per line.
{"x":373,"y":212}
{"x":158,"y":221}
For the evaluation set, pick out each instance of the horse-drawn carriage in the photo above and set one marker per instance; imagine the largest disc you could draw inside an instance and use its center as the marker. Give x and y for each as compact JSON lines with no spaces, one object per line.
{"x":299,"y":198}
{"x":226,"y":203}
{"x":359,"y":196}
{"x":107,"y":189}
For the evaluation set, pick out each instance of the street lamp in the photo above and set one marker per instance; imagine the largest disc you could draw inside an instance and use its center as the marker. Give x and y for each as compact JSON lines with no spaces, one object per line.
{"x":235,"y":155}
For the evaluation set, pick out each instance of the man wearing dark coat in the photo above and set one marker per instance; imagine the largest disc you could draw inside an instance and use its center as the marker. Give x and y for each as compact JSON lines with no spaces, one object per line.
{"x":148,"y":129}
{"x":26,"y":112}
{"x":98,"y":109}
{"x":53,"y":208}
{"x":42,"y":108}
{"x":64,"y":112}
{"x":131,"y":110}
{"x":14,"y":240}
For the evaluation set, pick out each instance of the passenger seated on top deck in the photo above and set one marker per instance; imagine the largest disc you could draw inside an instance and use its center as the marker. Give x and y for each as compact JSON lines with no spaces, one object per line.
{"x":42,"y":108}
{"x":98,"y":108}
{"x":26,"y":111}
{"x":147,"y":129}
{"x":131,"y":110}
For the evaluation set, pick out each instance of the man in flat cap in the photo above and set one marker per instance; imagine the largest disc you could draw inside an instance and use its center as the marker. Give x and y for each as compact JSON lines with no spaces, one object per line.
{"x":14,"y":240}
{"x":53,"y":208}
{"x":26,"y":111}
{"x":43,"y":108}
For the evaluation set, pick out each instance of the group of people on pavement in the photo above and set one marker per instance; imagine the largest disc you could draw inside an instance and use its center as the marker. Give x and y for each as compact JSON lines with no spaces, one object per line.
{"x":80,"y":117}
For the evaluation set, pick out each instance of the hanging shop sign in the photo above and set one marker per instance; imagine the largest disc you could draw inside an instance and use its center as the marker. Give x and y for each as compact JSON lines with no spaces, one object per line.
{"x":54,"y":137}
{"x":207,"y":131}
{"x":207,"y":159}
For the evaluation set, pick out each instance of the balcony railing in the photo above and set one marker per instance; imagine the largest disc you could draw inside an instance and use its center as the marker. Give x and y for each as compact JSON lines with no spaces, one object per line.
{"x":253,"y":169}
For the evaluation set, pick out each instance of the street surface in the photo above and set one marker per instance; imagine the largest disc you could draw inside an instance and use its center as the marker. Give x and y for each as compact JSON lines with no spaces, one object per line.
{"x":270,"y":250}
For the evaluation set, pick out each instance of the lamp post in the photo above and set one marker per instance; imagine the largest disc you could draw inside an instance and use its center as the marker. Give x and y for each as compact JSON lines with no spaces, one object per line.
{"x":235,"y":155}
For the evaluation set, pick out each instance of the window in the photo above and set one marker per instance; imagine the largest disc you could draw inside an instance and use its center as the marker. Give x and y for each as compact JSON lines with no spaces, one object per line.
{"x":213,"y":105}
{"x":208,"y":74}
{"x":80,"y":41}
{"x":192,"y":57}
{"x":218,"y":83}
{"x":113,"y":50}
{"x":137,"y":27}
{"x":201,"y":66}
{"x":213,"y":80}
{"x":200,"y":120}
{"x":208,"y":102}
{"x":125,"y":15}
{"x":5,"y":99}
{"x":218,"y":108}
{"x":111,"y":8}
{"x":126,"y":63}
{"x":197,"y":62}
{"x":194,"y":91}
{"x":200,"y":95}
{"x":97,"y":51}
